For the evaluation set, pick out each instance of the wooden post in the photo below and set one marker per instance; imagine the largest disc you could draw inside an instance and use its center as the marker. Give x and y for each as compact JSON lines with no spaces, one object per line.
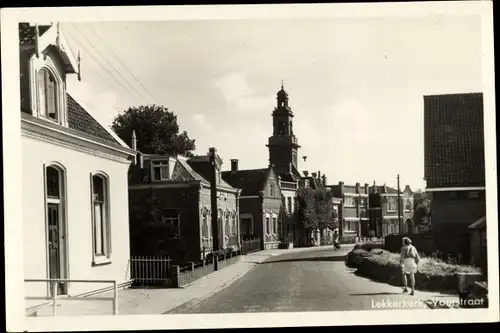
{"x":115,"y":299}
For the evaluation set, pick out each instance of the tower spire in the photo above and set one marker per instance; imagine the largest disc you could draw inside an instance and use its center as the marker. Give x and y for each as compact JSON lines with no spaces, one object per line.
{"x":282,"y":85}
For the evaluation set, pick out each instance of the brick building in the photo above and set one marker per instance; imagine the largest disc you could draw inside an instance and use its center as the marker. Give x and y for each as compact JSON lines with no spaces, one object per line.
{"x":454,"y":167}
{"x":353,"y":210}
{"x":180,"y":189}
{"x":383,"y":211}
{"x":261,"y":203}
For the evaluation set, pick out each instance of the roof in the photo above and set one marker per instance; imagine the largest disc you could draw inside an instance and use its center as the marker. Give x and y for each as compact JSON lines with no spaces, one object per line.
{"x":380,"y":189}
{"x":481,"y":223}
{"x":454,"y":140}
{"x":79,"y":119}
{"x":203,"y":169}
{"x":249,"y":181}
{"x":27,"y":33}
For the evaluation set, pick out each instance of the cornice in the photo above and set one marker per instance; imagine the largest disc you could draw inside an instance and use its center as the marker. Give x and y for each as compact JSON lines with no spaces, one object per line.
{"x":82,"y":146}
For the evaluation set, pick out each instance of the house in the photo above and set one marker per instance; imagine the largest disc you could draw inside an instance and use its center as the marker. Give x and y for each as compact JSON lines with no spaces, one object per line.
{"x":454,"y":167}
{"x":353,"y":210}
{"x":74,"y":175}
{"x":178,"y":188}
{"x":261,"y":203}
{"x":383,"y":210}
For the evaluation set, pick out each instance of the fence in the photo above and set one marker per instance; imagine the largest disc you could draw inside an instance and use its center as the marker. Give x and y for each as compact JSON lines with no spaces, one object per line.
{"x":54,"y":286}
{"x":151,"y":271}
{"x":183,"y":275}
{"x":249,"y":246}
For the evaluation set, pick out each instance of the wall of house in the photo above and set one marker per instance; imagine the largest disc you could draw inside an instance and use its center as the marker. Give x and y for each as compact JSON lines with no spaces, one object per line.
{"x":183,"y":198}
{"x":78,"y":166}
{"x":229,"y":205}
{"x":451,"y":217}
{"x":253,"y":207}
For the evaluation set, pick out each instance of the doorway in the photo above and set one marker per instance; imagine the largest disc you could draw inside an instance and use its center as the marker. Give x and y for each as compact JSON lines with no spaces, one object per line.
{"x":56,"y":229}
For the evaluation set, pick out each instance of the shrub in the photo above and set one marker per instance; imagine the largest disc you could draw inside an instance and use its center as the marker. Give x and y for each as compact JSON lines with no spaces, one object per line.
{"x":370,"y":245}
{"x":433,"y":274}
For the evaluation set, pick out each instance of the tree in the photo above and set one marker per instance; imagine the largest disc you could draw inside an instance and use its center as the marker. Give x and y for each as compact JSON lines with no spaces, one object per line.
{"x":316,"y":209}
{"x":422,"y":214}
{"x":156,"y":130}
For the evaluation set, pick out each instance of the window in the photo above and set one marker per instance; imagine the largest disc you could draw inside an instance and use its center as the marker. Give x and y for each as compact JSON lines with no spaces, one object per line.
{"x":171,"y":217}
{"x":306,"y":183}
{"x":364,"y":202}
{"x":391,"y":204}
{"x":271,"y":190}
{"x":348,"y":201}
{"x":408,"y":205}
{"x":235,"y":225}
{"x":204,"y":226}
{"x":47,"y":95}
{"x":275,"y":225}
{"x":290,"y":210}
{"x":228,"y":225}
{"x":268,"y":225}
{"x":100,"y":217}
{"x":160,"y":170}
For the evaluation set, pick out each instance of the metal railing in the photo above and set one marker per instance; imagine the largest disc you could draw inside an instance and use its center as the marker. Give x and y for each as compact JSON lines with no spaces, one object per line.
{"x":151,"y":270}
{"x":54,"y":296}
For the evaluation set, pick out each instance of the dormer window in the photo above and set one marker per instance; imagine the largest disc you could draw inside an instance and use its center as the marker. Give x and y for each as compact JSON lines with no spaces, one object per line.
{"x":48,"y":106}
{"x":160,"y":170}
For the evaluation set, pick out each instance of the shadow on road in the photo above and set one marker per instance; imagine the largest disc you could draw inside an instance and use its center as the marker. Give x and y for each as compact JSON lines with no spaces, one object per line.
{"x":374,"y":294}
{"x":326,"y":258}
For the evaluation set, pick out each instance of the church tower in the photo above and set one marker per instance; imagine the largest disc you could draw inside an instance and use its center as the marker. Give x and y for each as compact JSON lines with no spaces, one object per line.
{"x":283,"y":145}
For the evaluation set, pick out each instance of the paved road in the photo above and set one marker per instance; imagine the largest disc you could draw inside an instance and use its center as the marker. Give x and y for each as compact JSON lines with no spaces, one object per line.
{"x":316,"y":280}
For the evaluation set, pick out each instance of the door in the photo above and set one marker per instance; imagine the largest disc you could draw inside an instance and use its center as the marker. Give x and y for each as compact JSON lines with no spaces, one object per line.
{"x":55,"y":256}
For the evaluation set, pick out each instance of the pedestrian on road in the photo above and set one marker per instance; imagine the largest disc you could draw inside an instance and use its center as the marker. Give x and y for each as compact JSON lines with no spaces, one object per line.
{"x":336,"y":244}
{"x":409,"y":264}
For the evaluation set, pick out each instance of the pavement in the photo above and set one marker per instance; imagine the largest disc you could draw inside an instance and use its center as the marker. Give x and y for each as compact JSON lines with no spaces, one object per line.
{"x":314,"y":280}
{"x":160,"y":301}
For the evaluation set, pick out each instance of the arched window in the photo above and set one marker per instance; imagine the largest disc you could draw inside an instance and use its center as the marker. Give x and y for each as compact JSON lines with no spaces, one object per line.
{"x":48,"y":101}
{"x":55,"y":199}
{"x":235,"y":225}
{"x":100,"y":218}
{"x":205,"y":227}
{"x":228,"y":224}
{"x":408,"y":205}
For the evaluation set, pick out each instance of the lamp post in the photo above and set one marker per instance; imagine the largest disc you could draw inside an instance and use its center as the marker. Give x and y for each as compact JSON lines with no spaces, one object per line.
{"x":213,"y":204}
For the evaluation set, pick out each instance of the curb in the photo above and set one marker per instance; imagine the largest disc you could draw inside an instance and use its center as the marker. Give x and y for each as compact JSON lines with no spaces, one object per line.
{"x":196,"y":300}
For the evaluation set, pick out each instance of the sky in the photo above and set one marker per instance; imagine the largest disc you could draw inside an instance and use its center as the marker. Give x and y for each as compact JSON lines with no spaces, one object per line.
{"x":356,"y":85}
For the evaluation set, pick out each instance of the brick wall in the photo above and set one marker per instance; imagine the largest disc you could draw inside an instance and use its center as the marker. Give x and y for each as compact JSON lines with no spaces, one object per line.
{"x":451,"y":217}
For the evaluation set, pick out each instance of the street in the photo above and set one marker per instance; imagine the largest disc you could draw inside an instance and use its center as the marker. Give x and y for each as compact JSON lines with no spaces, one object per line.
{"x":315,"y":280}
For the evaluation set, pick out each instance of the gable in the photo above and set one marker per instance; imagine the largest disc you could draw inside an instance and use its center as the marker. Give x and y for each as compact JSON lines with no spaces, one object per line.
{"x":251,"y":182}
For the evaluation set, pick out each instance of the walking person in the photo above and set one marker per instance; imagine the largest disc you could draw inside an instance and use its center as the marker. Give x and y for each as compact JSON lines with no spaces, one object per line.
{"x":336,"y":244}
{"x":409,"y":264}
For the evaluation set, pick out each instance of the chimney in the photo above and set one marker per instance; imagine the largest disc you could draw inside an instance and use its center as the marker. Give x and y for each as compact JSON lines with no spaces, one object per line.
{"x":319,"y":174}
{"x":366,"y":188}
{"x":306,"y":173}
{"x":357,"y":187}
{"x":140,"y":157}
{"x":341,"y":185}
{"x":234,"y":165}
{"x":324,"y":180}
{"x":385,"y":188}
{"x":374,"y":187}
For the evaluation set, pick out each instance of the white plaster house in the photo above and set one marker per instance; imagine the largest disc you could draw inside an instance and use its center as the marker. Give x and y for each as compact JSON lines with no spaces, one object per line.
{"x":75,"y":184}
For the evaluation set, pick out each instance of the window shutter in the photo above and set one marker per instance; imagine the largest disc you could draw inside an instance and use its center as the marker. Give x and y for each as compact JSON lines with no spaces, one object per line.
{"x":41,"y":92}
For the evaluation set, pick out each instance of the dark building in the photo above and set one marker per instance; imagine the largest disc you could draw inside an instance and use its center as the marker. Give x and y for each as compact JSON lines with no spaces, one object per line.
{"x":178,"y":189}
{"x":383,"y":211}
{"x":261,"y":203}
{"x":454,"y":167}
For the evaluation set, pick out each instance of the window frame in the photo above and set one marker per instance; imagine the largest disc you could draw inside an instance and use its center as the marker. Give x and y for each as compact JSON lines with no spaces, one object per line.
{"x":105,"y":258}
{"x":161,"y":164}
{"x":167,"y":220}
{"x":36,"y":65}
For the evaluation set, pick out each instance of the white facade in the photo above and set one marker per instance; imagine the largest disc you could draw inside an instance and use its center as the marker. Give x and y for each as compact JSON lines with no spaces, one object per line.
{"x":75,"y":184}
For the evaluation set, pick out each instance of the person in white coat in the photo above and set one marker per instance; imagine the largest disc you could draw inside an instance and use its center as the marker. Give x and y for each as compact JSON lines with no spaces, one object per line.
{"x":409,"y":264}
